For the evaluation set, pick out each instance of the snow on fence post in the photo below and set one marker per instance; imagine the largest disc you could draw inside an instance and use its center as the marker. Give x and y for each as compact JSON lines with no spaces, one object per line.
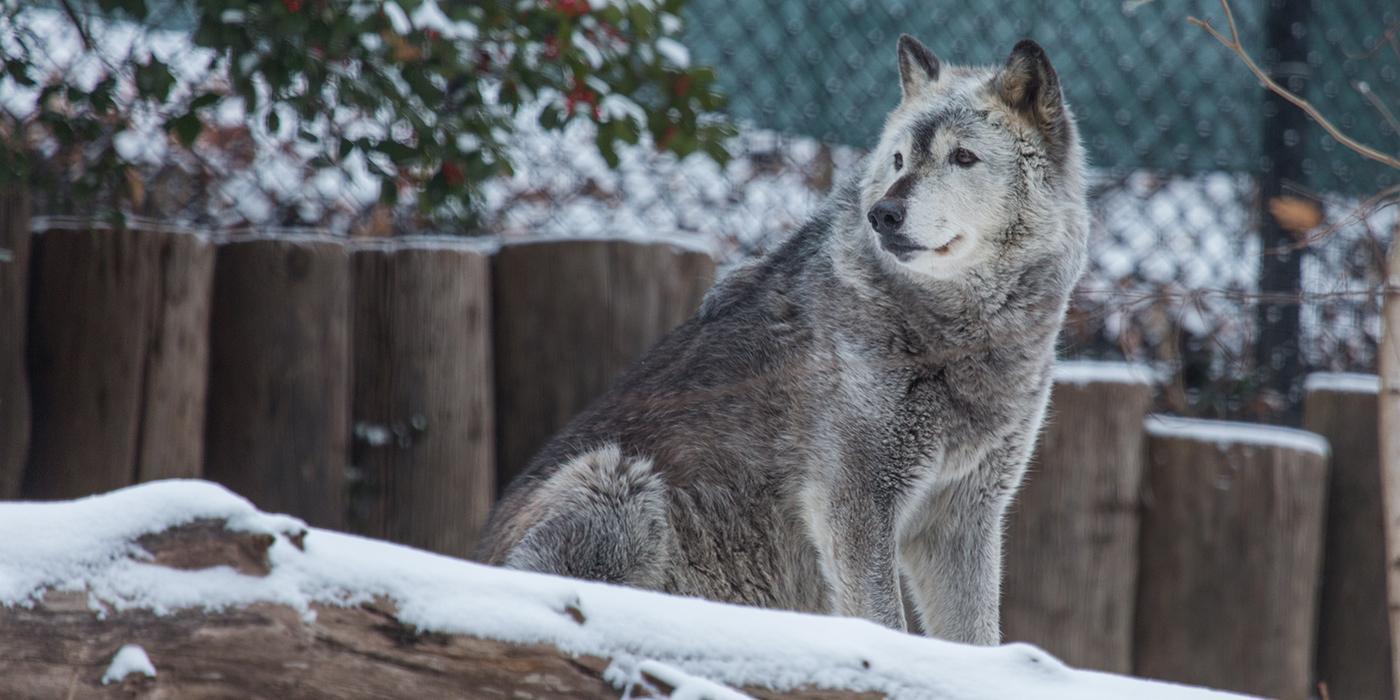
{"x":569,"y":316}
{"x":1353,"y":637}
{"x":1072,"y":536}
{"x":1231,"y":553}
{"x":117,"y":354}
{"x":14,"y":382}
{"x":423,"y":412}
{"x":278,"y":426}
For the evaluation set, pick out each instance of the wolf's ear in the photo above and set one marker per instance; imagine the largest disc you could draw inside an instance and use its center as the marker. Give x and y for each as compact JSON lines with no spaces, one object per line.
{"x":1029,"y":85}
{"x":918,"y":67}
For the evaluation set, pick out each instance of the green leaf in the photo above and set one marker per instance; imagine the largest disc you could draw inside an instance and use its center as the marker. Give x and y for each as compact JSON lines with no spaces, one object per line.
{"x":185,"y":127}
{"x":388,"y":190}
{"x":207,"y":99}
{"x":272,"y":121}
{"x":153,"y":80}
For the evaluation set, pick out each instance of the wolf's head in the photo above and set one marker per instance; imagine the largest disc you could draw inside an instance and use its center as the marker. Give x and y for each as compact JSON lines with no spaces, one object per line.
{"x":978,"y":169}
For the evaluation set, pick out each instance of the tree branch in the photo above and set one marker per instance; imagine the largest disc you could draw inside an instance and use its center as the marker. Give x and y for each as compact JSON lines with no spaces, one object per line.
{"x":1233,"y":43}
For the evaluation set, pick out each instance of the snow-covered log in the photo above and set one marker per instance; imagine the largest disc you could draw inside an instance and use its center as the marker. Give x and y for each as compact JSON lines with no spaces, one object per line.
{"x":423,"y":408}
{"x":279,"y":364}
{"x":1072,"y":537}
{"x":1353,"y":624}
{"x":118,"y":349}
{"x":182,"y":589}
{"x":570,"y":315}
{"x":1231,"y":554}
{"x":14,"y":382}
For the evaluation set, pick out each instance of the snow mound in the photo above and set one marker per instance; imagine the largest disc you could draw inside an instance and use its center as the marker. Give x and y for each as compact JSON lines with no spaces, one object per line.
{"x":90,"y":544}
{"x":131,"y":658}
{"x":1226,"y":433}
{"x":1343,"y":383}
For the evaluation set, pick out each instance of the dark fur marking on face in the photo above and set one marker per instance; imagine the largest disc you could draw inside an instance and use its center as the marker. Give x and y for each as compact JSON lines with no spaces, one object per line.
{"x":924,"y":132}
{"x":901,"y":187}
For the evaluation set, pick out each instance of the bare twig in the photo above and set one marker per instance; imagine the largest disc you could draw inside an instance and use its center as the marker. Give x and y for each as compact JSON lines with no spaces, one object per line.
{"x":1365,"y":89}
{"x":1233,"y":43}
{"x":78,"y":24}
{"x":1387,"y":39}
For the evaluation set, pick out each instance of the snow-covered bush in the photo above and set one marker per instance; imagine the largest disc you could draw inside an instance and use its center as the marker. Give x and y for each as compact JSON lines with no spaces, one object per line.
{"x":421,"y":97}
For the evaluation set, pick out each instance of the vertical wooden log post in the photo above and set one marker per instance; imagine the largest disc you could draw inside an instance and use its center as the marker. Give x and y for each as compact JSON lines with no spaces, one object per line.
{"x":1353,"y":630}
{"x":1231,"y":552}
{"x":118,"y":356}
{"x":278,"y":426}
{"x":423,"y":411}
{"x":1072,"y":536}
{"x":569,"y":316}
{"x":14,"y":380}
{"x":1389,"y":429}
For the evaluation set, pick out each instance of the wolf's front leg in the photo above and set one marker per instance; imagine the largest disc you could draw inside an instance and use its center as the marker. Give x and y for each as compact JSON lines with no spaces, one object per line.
{"x":858,"y":558}
{"x":952,"y":554}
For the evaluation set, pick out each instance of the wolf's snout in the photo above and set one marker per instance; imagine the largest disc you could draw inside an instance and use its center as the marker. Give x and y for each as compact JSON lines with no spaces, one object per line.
{"x":886,"y":216}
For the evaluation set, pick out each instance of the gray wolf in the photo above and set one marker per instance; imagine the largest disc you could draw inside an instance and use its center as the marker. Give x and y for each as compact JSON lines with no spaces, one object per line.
{"x":844,"y":421}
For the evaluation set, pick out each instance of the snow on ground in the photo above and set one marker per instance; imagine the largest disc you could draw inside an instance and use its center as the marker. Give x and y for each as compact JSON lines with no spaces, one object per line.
{"x":131,"y":658}
{"x":1343,"y":383}
{"x":88,"y":544}
{"x":1227,"y":433}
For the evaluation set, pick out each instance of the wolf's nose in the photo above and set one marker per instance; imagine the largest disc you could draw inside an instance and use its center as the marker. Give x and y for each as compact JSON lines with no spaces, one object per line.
{"x":886,"y":216}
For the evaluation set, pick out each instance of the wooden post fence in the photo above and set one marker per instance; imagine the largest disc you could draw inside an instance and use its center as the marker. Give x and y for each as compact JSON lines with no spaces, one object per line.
{"x":1072,"y":537}
{"x":14,"y":380}
{"x":1389,"y":429}
{"x":423,"y":411}
{"x":117,"y":354}
{"x":569,"y":316}
{"x":279,"y":374}
{"x":1231,"y":553}
{"x":1353,"y":637}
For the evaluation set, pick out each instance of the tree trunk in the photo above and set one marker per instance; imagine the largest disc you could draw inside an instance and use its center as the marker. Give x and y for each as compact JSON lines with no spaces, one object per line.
{"x":423,"y":408}
{"x":117,"y":357}
{"x":1353,"y":638}
{"x":14,"y":380}
{"x":1071,"y":544}
{"x":1230,"y":557}
{"x":279,"y":377}
{"x":1389,"y":430}
{"x":569,"y":316}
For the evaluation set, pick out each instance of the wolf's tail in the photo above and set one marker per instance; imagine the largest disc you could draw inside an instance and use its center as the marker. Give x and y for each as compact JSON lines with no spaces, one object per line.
{"x":606,"y":521}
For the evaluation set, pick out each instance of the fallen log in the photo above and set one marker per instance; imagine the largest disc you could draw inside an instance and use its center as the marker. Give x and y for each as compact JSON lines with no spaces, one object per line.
{"x":182,"y":589}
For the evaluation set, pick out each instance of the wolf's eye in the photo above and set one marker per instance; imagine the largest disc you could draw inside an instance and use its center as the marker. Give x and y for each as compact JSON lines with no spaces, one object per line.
{"x":965,"y":158}
{"x":898,"y":161}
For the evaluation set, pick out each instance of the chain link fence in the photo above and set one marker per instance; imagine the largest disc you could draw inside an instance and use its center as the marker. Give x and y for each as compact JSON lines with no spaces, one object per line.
{"x":1222,"y":218}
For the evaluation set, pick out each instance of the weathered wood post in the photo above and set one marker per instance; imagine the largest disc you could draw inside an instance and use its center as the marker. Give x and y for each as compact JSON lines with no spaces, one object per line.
{"x":423,"y":410}
{"x":118,"y":353}
{"x":278,"y":425}
{"x":1389,"y":424}
{"x":1231,"y":553}
{"x":14,"y":380}
{"x":1072,"y":536}
{"x":1353,"y":633}
{"x":569,"y":316}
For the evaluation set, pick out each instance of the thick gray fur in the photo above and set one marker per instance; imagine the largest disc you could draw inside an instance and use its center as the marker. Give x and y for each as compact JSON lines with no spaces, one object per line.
{"x":838,"y":417}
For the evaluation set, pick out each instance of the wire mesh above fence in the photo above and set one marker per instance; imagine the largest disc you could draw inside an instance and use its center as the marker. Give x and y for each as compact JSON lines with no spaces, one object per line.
{"x":1222,"y":218}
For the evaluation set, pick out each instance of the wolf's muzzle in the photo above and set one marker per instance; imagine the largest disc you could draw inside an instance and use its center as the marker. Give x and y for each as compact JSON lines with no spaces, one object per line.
{"x":886,"y":216}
